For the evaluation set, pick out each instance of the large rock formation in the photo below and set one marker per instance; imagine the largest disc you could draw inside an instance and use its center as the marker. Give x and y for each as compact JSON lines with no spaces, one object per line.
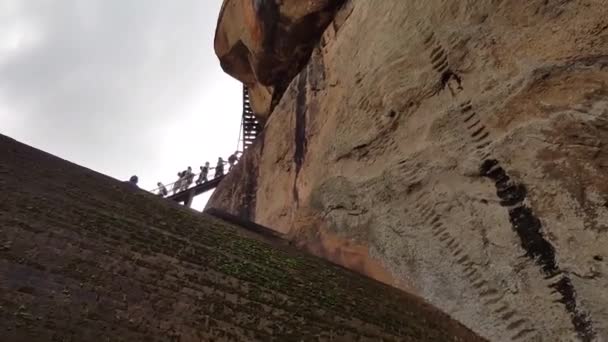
{"x":86,"y":258}
{"x":265,"y":43}
{"x":456,"y":149}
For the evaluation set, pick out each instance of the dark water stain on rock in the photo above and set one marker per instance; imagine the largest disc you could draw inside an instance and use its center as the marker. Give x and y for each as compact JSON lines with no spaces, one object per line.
{"x":300,"y":129}
{"x":529,"y":229}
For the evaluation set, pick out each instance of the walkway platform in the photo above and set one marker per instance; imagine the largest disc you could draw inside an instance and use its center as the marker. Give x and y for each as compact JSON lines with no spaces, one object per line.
{"x":187,"y":196}
{"x":250,"y":129}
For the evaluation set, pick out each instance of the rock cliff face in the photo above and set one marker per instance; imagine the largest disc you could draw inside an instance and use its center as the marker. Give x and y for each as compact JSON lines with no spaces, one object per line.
{"x":86,"y":258}
{"x":264,"y":43}
{"x":456,"y":149}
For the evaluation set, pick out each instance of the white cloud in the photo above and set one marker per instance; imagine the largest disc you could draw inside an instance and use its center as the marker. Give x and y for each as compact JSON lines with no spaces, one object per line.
{"x":120,"y":86}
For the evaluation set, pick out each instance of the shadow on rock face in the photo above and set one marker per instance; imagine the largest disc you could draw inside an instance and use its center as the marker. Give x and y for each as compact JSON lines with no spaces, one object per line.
{"x":265,"y":43}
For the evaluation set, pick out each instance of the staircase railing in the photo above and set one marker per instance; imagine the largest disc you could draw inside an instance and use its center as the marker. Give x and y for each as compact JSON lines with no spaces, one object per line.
{"x":251,"y":125}
{"x":174,"y":189}
{"x":250,"y":129}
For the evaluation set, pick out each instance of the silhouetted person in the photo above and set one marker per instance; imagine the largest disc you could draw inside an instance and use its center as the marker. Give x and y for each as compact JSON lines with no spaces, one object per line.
{"x":232,"y":160}
{"x":162,"y":190}
{"x":202,"y":178}
{"x":178,"y":184}
{"x":189,"y":177}
{"x":219,"y":168}
{"x":184,"y":180}
{"x":133,"y":181}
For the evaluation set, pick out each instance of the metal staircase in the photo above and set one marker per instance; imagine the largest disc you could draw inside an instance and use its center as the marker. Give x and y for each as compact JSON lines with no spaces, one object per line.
{"x":251,"y":125}
{"x":250,"y":129}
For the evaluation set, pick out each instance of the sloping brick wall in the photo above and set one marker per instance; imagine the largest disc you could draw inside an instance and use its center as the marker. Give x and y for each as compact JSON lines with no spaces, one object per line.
{"x":86,"y":258}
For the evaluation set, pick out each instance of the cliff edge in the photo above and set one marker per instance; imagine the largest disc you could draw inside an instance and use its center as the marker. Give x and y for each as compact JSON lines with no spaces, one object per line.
{"x":84,"y":257}
{"x":455,"y":149}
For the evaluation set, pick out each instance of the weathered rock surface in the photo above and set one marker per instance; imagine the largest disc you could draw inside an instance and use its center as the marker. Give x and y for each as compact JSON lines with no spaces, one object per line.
{"x":86,"y":258}
{"x":265,"y":43}
{"x":461,"y":147}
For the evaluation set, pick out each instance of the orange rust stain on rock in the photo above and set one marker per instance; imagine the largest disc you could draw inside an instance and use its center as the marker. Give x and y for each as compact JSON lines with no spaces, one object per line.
{"x":352,"y":255}
{"x":252,"y":23}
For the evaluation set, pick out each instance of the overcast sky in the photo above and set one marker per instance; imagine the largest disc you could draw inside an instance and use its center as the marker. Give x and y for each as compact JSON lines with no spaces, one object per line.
{"x":120,"y":86}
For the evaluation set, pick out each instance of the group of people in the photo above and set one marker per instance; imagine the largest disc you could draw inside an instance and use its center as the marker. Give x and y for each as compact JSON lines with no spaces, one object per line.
{"x":186,"y":177}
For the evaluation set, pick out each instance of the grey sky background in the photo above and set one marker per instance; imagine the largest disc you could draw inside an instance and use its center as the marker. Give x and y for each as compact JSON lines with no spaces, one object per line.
{"x":120,"y":86}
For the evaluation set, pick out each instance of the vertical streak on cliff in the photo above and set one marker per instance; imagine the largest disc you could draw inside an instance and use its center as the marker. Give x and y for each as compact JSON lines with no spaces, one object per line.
{"x":300,"y":129}
{"x":268,"y":12}
{"x":529,"y":229}
{"x":251,"y":187}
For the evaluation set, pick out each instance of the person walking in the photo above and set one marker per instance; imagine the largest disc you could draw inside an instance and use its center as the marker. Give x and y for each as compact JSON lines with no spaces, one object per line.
{"x":162,"y":190}
{"x":202,"y":178}
{"x":219,"y":168}
{"x":184,"y":181}
{"x":232,"y":160}
{"x":177,"y":186}
{"x":189,"y":177}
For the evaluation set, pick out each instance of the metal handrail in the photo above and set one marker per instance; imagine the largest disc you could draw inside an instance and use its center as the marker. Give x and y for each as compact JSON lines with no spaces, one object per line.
{"x":249,"y":130}
{"x":170,"y":187}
